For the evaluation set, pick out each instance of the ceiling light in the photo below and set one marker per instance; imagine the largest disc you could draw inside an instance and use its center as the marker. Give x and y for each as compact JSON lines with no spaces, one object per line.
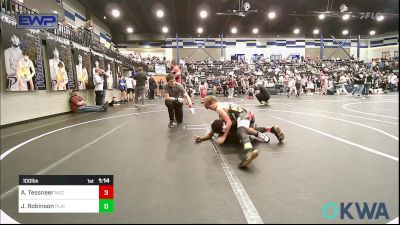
{"x":160,"y":13}
{"x":129,"y":30}
{"x":165,"y":30}
{"x":115,"y":12}
{"x":346,"y":16}
{"x":199,"y":30}
{"x":321,"y":16}
{"x":345,"y":32}
{"x":255,"y":30}
{"x":105,"y":17}
{"x":380,"y":18}
{"x":271,"y":15}
{"x":203,"y":14}
{"x":55,"y":12}
{"x":316,"y":31}
{"x":296,"y":31}
{"x":372,"y":32}
{"x":234,"y":30}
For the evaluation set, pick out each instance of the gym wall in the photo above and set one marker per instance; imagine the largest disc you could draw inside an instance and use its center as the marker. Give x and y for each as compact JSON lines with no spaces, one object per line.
{"x":18,"y":106}
{"x":376,"y":52}
{"x":199,"y":54}
{"x":369,"y":48}
{"x":337,"y":53}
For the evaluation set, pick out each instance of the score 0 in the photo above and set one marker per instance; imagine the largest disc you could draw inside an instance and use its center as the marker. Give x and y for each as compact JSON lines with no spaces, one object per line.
{"x":106,"y":195}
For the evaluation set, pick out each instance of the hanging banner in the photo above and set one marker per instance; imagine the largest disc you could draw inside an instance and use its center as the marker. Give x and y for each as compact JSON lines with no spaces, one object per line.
{"x":110,"y":71}
{"x":160,"y":69}
{"x":83,"y":67}
{"x":97,"y":61}
{"x":23,"y":60}
{"x":60,"y":63}
{"x":118,"y":69}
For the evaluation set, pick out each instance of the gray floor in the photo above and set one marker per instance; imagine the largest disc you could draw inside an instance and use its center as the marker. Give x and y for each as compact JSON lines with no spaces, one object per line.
{"x":333,"y":152}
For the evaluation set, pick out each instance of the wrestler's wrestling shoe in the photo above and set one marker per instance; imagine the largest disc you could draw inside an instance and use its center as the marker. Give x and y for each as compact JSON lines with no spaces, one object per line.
{"x":247,"y":157}
{"x":261,"y":137}
{"x":278,"y":133}
{"x":171,"y":124}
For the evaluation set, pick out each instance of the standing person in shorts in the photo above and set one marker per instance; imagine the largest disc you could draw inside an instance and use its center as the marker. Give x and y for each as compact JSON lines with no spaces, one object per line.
{"x":122,"y":88}
{"x":129,"y":88}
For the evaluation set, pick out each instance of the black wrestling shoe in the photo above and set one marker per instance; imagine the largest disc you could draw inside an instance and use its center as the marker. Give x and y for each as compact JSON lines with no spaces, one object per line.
{"x":247,"y":157}
{"x":171,"y":124}
{"x":278,"y":133}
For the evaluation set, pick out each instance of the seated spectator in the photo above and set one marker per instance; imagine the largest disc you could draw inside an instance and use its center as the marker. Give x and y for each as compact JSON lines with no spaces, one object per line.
{"x":77,"y":104}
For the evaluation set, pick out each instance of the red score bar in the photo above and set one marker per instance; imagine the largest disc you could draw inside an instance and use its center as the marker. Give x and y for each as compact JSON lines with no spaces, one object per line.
{"x":106,"y":192}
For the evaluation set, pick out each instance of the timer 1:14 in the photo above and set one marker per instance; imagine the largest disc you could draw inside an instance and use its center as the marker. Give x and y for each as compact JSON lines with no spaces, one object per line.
{"x":104,"y":180}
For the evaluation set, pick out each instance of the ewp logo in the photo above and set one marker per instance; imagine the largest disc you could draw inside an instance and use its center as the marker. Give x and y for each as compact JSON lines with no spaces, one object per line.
{"x":363,"y":210}
{"x":37,"y":21}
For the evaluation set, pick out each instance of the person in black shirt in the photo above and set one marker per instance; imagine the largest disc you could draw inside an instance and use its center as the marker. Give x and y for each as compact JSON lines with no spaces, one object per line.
{"x":264,"y":96}
{"x":224,"y":88}
{"x":104,"y":76}
{"x":368,"y":83}
{"x":140,"y":90}
{"x":358,"y":83}
{"x":239,"y":86}
{"x":152,"y":87}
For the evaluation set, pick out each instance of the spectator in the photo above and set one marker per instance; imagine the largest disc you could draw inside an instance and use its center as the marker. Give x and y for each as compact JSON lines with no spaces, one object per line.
{"x":140,"y":90}
{"x":88,"y":32}
{"x":231,"y":85}
{"x":202,"y":91}
{"x":88,"y":25}
{"x":368,"y":83}
{"x":129,"y":88}
{"x":122,"y":88}
{"x":160,"y":87}
{"x":393,"y":82}
{"x":105,"y":76}
{"x":176,"y":71}
{"x":358,"y":84}
{"x":152,"y":87}
{"x":98,"y":86}
{"x":77,"y":104}
{"x":342,"y":85}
